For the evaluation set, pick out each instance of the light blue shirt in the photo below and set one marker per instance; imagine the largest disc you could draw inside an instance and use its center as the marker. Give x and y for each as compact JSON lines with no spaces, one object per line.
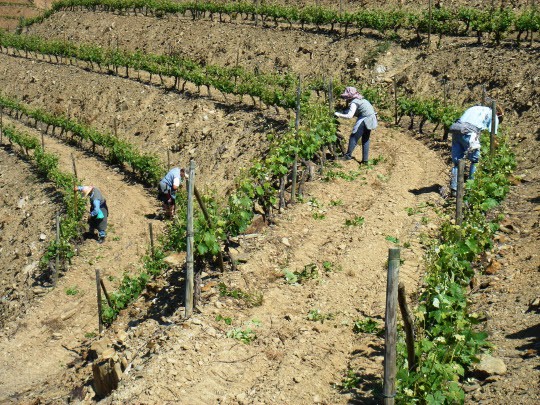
{"x":480,"y":117}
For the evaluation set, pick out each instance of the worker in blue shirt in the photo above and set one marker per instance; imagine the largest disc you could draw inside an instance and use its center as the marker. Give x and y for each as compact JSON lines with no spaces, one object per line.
{"x":466,"y":138}
{"x":167,"y":188}
{"x":99,"y":212}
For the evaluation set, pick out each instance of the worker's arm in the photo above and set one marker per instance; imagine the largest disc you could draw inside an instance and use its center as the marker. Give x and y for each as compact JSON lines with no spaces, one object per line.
{"x":349,"y":113}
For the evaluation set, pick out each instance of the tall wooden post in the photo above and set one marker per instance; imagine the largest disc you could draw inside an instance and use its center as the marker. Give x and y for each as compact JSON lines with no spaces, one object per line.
{"x":395,"y":101}
{"x":1,"y":125}
{"x":429,"y":26}
{"x":445,"y":92}
{"x":151,"y":231}
{"x":492,"y":132}
{"x":57,"y":264}
{"x":76,"y":195}
{"x":189,"y":250}
{"x":98,"y":287}
{"x":296,"y":126}
{"x":331,"y":96}
{"x":390,"y":334}
{"x":460,"y":191}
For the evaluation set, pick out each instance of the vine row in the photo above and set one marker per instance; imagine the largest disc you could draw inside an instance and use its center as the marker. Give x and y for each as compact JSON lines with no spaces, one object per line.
{"x":71,"y":224}
{"x":443,"y":21}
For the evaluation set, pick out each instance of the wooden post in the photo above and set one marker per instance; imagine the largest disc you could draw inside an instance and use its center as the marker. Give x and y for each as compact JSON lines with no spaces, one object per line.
{"x":389,"y":385}
{"x":331,"y":96}
{"x":408,"y":325}
{"x":395,"y":101}
{"x":74,"y":166}
{"x":296,"y":126}
{"x":492,"y":133}
{"x":42,"y":142}
{"x":429,"y":26}
{"x":98,"y":287}
{"x":256,"y":14}
{"x":460,"y":192}
{"x":445,"y":92}
{"x":105,"y":292}
{"x":151,"y":238}
{"x":57,"y":265}
{"x":168,"y":158}
{"x":189,"y":249}
{"x":1,"y":125}
{"x":76,"y":195}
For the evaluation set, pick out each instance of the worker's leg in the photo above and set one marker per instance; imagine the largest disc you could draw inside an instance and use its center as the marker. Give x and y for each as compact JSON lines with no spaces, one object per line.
{"x":365,"y":144}
{"x":102,"y":225}
{"x":474,"y":157}
{"x":458,"y":151}
{"x":353,"y":141}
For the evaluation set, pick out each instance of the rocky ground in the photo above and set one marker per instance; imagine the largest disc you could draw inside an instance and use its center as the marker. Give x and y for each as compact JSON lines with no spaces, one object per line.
{"x":167,"y":358}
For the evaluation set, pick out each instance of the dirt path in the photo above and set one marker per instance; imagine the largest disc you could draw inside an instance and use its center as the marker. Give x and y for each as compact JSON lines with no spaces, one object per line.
{"x":40,"y":347}
{"x":196,"y":361}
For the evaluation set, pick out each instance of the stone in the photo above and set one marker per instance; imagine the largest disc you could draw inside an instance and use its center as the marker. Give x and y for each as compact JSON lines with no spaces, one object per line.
{"x":105,"y":377}
{"x":28,"y":270}
{"x":42,"y":237}
{"x":98,"y":347}
{"x":493,"y":268}
{"x":489,"y":366}
{"x":21,"y":203}
{"x":176,"y":259}
{"x":286,"y":242}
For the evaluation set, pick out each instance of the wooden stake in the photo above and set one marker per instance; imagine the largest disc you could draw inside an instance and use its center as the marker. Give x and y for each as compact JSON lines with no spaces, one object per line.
{"x":429,"y":26}
{"x":445,"y":92}
{"x":98,"y":287}
{"x":189,"y":249}
{"x":42,"y":142}
{"x":389,"y":385}
{"x":105,"y":292}
{"x":57,"y":266}
{"x":168,"y":158}
{"x":492,"y":133}
{"x":74,"y":166}
{"x":460,"y":192}
{"x":408,"y":325}
{"x":151,"y":238}
{"x":395,"y":101}
{"x":1,"y":125}
{"x":296,"y":126}
{"x":331,"y":96}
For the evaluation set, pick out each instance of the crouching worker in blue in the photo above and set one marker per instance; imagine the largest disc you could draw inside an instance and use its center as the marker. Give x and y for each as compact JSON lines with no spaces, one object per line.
{"x":366,"y":121}
{"x":98,"y":210}
{"x":466,"y":138}
{"x":167,"y":188}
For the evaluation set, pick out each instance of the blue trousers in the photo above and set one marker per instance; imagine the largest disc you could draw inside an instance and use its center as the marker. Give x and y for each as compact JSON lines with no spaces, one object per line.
{"x":362,"y":133}
{"x":460,"y":145}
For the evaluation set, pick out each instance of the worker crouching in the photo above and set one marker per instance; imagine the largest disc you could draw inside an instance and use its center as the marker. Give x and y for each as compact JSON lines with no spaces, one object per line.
{"x":99,"y":212}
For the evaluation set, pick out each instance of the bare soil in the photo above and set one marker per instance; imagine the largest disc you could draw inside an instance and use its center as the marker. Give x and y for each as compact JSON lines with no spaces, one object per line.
{"x":293,"y":359}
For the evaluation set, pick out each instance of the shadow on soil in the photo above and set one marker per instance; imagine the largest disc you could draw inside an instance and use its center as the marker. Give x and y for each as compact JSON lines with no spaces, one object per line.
{"x":532,"y":335}
{"x":166,"y":300}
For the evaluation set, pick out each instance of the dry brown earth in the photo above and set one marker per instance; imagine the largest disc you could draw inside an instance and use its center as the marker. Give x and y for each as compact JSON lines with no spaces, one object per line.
{"x":293,"y":360}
